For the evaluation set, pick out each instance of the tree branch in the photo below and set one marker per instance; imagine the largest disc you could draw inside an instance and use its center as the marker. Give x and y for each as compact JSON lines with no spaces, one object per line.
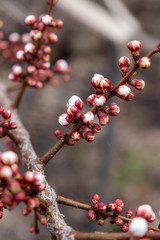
{"x":51,"y":153}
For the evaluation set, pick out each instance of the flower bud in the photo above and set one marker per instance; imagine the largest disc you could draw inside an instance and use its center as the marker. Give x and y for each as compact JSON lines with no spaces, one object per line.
{"x":88,"y":118}
{"x":90,"y":99}
{"x":138,"y":227}
{"x":6,"y":123}
{"x":52,"y":38}
{"x":14,"y":186}
{"x":7,"y":114}
{"x":17,"y":70}
{"x":96,"y":79}
{"x":100,"y":220}
{"x":152,"y":218}
{"x":114,"y":109}
{"x":91,"y":215}
{"x":40,"y":188}
{"x":30,"y":20}
{"x":140,"y":84}
{"x":111,"y":207}
{"x":64,"y":119}
{"x":119,"y":222}
{"x":47,"y":20}
{"x":130,"y":96}
{"x":9,"y":157}
{"x":103,"y":119}
{"x":38,"y":178}
{"x":1,"y":109}
{"x":74,"y":111}
{"x":36,"y":35}
{"x":129,"y":213}
{"x":96,"y":128}
{"x":118,"y":210}
{"x":71,"y":142}
{"x":14,"y":37}
{"x":89,"y":136}
{"x":43,"y":220}
{"x":101,"y":206}
{"x":76,"y":136}
{"x":135,"y":46}
{"x":13,"y":125}
{"x":124,"y":63}
{"x":31,"y":203}
{"x":123,"y":91}
{"x":144,"y":211}
{"x":124,"y":228}
{"x":28,"y":177}
{"x":6,"y":198}
{"x":119,"y":202}
{"x":14,"y":168}
{"x":20,"y":196}
{"x":75,"y":101}
{"x":30,"y":48}
{"x":5,"y":172}
{"x":58,"y":23}
{"x":105,"y":84}
{"x":20,"y":55}
{"x":26,"y":211}
{"x":144,"y":62}
{"x":62,"y":66}
{"x":58,"y":134}
{"x":99,"y":100}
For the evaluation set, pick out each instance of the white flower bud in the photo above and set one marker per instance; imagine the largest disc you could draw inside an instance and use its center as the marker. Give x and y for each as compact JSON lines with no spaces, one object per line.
{"x":9,"y":157}
{"x":138,"y":227}
{"x":123,"y":91}
{"x":88,"y":118}
{"x":99,"y":100}
{"x":64,"y":119}
{"x":75,"y":101}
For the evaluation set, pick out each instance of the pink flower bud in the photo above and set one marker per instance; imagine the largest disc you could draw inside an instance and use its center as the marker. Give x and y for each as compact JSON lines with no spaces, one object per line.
{"x":26,"y":211}
{"x":28,"y":177}
{"x":20,"y":55}
{"x":99,"y":100}
{"x":111,"y":207}
{"x":114,"y":110}
{"x":38,"y":178}
{"x":29,"y":48}
{"x":100,"y":221}
{"x":9,"y":157}
{"x":40,"y":188}
{"x":25,"y":38}
{"x":7,"y":114}
{"x":74,"y":111}
{"x":47,"y":20}
{"x":118,"y":210}
{"x":75,"y":101}
{"x":46,"y":49}
{"x":134,"y":45}
{"x":64,"y":119}
{"x":96,"y":79}
{"x":5,"y":172}
{"x":58,"y":23}
{"x":105,"y":84}
{"x":31,"y":69}
{"x":101,"y":206}
{"x":152,"y":218}
{"x":144,"y":211}
{"x":20,"y":196}
{"x":129,"y":213}
{"x":91,"y":215}
{"x":144,"y":62}
{"x":96,"y":128}
{"x":14,"y":168}
{"x":6,"y":123}
{"x":31,"y":203}
{"x":52,"y":38}
{"x":71,"y":142}
{"x":123,"y":91}
{"x":14,"y":37}
{"x":89,"y":136}
{"x":6,"y":198}
{"x":30,"y":20}
{"x":76,"y":136}
{"x":138,"y":227}
{"x":124,"y":228}
{"x":58,"y":134}
{"x":124,"y":63}
{"x":1,"y":109}
{"x":119,"y":202}
{"x":130,"y":96}
{"x":17,"y":70}
{"x":90,"y":99}
{"x":1,"y":130}
{"x":43,"y":220}
{"x":36,"y":35}
{"x":140,"y":84}
{"x":14,"y":186}
{"x":88,"y":118}
{"x":13,"y":125}
{"x":103,"y":119}
{"x":95,"y":198}
{"x":61,"y":66}
{"x":119,"y":222}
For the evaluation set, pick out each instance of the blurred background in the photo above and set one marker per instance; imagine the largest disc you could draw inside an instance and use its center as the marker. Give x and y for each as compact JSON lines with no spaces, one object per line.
{"x":123,"y":161}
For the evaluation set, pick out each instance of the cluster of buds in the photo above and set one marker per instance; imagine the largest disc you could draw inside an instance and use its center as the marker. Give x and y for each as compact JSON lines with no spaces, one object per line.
{"x":35,"y":50}
{"x":5,"y":121}
{"x":101,"y":84}
{"x":138,"y":226}
{"x":16,"y":188}
{"x":99,"y":211}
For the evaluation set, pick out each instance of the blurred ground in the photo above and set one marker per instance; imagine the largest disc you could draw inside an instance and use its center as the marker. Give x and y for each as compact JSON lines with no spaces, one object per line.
{"x":123,"y":161}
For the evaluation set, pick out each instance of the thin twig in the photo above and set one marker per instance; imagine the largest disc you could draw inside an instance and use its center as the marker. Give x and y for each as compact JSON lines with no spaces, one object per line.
{"x":51,"y":153}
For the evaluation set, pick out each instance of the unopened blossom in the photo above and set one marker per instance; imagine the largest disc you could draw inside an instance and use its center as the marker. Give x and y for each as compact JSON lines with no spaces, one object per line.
{"x":64,"y":119}
{"x":96,"y":79}
{"x":29,"y":48}
{"x":75,"y":101}
{"x":138,"y":227}
{"x":88,"y":118}
{"x":99,"y":100}
{"x":47,"y":20}
{"x":144,"y":211}
{"x":123,"y":91}
{"x":9,"y":157}
{"x":144,"y":62}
